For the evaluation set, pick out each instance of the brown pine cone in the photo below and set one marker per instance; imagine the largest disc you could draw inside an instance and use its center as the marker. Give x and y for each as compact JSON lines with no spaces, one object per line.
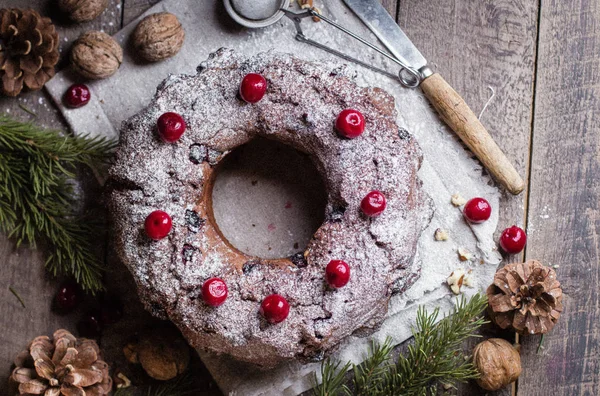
{"x":64,"y":366}
{"x":28,"y":50}
{"x":525,"y":297}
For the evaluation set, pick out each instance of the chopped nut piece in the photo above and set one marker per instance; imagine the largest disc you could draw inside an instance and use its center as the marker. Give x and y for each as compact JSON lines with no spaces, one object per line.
{"x":305,"y":4}
{"x":464,"y":254}
{"x":459,"y":278}
{"x":318,"y":11}
{"x":468,"y":279}
{"x":458,"y":200}
{"x":455,"y":280}
{"x":440,"y":235}
{"x":122,"y":381}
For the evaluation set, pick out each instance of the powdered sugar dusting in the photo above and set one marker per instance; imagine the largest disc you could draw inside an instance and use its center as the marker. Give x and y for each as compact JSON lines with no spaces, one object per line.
{"x":299,"y":109}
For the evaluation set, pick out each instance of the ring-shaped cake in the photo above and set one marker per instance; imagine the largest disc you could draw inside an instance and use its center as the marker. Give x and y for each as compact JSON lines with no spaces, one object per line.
{"x":299,"y":109}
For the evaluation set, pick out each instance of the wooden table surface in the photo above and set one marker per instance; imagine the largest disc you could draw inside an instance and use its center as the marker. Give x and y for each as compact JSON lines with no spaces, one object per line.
{"x":541,"y":60}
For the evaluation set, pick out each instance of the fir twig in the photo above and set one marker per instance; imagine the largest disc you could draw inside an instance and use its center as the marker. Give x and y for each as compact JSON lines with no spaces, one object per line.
{"x":434,"y":357}
{"x":36,"y":196}
{"x":27,"y":110}
{"x":372,"y":372}
{"x":14,"y":292}
{"x":333,"y":378}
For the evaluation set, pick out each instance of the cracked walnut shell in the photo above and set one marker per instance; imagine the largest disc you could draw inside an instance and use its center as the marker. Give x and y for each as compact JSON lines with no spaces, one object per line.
{"x":96,"y":55}
{"x":526,"y":297}
{"x":162,"y":352}
{"x":158,"y":36}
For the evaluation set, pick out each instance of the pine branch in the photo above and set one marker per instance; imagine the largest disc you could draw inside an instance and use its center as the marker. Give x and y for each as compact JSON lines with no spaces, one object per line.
{"x":372,"y":372}
{"x":37,"y":198}
{"x":434,"y":357}
{"x":333,"y":378}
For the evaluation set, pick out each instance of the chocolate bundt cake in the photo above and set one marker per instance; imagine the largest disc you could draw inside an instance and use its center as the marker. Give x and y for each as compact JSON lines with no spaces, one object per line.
{"x":164,"y":186}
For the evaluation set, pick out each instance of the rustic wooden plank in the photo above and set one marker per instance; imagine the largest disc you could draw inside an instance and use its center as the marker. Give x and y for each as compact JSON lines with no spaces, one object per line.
{"x":23,"y":269}
{"x":564,"y":213}
{"x":478,"y":45}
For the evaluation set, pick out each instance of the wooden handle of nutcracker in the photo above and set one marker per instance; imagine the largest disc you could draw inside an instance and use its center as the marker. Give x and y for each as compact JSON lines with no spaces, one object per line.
{"x":458,"y":115}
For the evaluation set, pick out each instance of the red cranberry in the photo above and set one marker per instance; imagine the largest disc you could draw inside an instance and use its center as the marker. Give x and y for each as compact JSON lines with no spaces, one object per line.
{"x":477,"y":210}
{"x":350,"y":123}
{"x":214,"y":292}
{"x":77,"y":95}
{"x":111,"y":311}
{"x":68,"y":297}
{"x":513,"y":240}
{"x":158,"y":225}
{"x":275,"y":308}
{"x":253,"y":88}
{"x":373,"y":204}
{"x":171,"y":127}
{"x":337,"y":273}
{"x":90,"y":325}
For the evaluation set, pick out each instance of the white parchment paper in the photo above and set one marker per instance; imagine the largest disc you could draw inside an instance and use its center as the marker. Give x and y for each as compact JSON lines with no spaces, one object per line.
{"x":447,"y":167}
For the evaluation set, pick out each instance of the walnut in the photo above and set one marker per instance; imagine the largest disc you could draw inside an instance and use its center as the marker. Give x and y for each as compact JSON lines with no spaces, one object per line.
{"x":162,"y":352}
{"x":82,"y":10}
{"x":498,"y":363}
{"x":158,"y":36}
{"x":96,"y":55}
{"x":458,"y":200}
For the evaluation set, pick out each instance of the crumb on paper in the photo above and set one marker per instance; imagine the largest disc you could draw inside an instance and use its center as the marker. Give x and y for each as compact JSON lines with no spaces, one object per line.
{"x":468,"y":279}
{"x":556,"y":266}
{"x":305,"y":4}
{"x":458,"y":278}
{"x":455,"y":280}
{"x":440,"y":235}
{"x":464,"y":254}
{"x":458,"y":200}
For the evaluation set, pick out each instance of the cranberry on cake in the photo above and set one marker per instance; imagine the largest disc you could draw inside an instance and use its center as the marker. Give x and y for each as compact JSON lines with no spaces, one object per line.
{"x":260,"y":310}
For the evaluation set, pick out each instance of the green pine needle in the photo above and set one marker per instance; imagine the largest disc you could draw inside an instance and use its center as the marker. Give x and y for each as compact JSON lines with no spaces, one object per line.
{"x":36,"y":196}
{"x":333,"y":378}
{"x":434,"y":357}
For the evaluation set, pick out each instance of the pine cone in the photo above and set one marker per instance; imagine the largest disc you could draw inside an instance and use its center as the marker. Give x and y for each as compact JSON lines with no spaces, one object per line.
{"x":63,"y":366}
{"x":28,"y":50}
{"x":526,"y":297}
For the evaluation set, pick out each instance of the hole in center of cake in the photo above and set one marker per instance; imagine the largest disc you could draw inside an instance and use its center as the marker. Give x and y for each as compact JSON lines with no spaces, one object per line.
{"x":268,"y":199}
